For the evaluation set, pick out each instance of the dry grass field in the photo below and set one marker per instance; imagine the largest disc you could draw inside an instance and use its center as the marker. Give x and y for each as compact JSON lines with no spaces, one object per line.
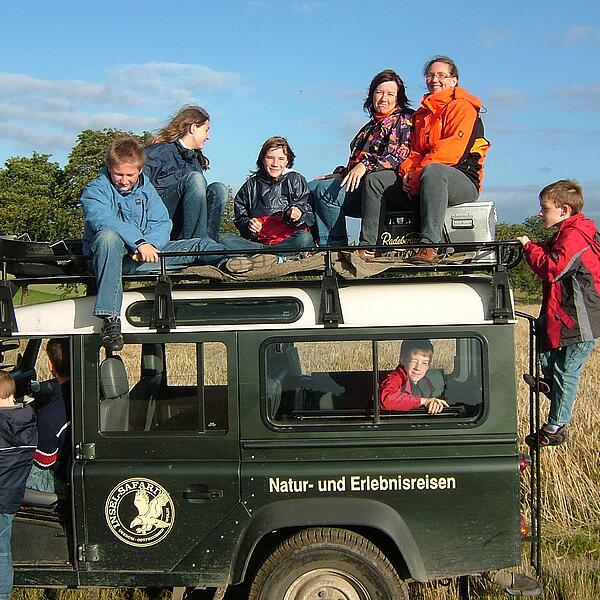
{"x":570,"y":508}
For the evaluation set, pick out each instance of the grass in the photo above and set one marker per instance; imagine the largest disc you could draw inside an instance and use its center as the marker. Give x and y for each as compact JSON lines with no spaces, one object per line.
{"x":570,"y":504}
{"x":45,"y":293}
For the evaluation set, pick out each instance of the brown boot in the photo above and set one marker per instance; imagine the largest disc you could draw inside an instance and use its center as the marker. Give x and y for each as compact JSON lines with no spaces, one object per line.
{"x":425,"y":256}
{"x":367,"y":255}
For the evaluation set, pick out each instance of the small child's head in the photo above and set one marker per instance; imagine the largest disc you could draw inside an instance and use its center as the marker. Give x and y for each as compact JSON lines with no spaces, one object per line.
{"x":124,"y":161}
{"x":415,"y":358}
{"x":559,"y":201}
{"x":57,"y":350}
{"x":275,"y":156}
{"x":7,"y":389}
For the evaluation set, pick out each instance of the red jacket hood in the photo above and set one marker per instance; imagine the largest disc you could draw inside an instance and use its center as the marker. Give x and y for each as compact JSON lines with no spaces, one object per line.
{"x":580,"y":222}
{"x":437,"y":101}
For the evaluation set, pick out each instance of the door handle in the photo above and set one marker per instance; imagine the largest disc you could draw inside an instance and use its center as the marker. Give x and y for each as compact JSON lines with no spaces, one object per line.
{"x":200,"y":492}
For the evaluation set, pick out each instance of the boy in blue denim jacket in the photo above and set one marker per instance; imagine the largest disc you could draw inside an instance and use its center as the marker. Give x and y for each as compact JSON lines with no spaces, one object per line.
{"x":126,"y":226}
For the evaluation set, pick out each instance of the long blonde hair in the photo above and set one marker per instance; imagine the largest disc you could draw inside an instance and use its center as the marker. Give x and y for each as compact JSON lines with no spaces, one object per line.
{"x":180,"y":124}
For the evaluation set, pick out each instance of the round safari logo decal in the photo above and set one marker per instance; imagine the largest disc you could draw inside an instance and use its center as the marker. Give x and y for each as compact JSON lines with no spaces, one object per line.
{"x":140,"y":512}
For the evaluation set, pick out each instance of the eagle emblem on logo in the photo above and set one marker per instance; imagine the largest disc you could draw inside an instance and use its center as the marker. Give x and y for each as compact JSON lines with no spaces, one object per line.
{"x":139,"y":511}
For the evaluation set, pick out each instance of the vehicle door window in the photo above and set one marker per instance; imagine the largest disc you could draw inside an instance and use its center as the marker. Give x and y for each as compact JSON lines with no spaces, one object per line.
{"x":356,"y":381}
{"x":153,"y":387}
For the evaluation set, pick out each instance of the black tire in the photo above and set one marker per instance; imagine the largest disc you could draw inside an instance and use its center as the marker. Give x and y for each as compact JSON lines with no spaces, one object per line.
{"x":327,"y":564}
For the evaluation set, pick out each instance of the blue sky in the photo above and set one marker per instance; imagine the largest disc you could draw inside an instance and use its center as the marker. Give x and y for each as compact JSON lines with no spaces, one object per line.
{"x":301,"y":69}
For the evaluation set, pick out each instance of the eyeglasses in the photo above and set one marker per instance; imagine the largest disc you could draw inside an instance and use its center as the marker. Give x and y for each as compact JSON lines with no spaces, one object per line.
{"x":440,"y":76}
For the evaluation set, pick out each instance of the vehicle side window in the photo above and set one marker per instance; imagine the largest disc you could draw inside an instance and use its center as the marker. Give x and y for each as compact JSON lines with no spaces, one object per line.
{"x":383,"y":381}
{"x":154,"y":387}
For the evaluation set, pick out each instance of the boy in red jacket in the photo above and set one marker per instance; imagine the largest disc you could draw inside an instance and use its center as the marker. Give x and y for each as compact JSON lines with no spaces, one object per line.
{"x":407,"y":386}
{"x":568,"y":265}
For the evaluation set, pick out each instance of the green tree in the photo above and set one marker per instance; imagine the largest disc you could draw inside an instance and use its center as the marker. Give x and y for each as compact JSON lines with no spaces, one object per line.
{"x":30,"y":202}
{"x":227,"y":225}
{"x":522,"y":277}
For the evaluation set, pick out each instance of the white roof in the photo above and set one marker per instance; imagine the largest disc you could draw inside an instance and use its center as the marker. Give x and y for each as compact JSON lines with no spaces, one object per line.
{"x":379,"y":303}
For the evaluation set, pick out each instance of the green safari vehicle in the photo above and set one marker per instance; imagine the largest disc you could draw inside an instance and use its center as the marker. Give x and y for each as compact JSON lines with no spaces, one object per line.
{"x":239,"y":437}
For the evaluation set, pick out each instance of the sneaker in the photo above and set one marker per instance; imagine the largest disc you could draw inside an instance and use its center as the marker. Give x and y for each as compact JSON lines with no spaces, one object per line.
{"x":237,"y":265}
{"x":112,"y":338}
{"x":543,"y":385}
{"x":425,"y":256}
{"x":264,"y":261}
{"x":547,"y":438}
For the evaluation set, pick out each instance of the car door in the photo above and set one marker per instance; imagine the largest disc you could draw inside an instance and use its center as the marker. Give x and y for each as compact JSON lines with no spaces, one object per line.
{"x":157,"y":449}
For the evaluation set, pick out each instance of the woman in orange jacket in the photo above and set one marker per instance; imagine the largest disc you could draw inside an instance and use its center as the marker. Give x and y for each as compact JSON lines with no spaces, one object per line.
{"x":445,"y":165}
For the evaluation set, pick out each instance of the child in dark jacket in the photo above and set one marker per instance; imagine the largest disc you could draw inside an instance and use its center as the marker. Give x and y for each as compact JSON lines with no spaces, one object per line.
{"x":273,"y":206}
{"x":407,"y":386}
{"x":568,"y":264}
{"x":18,"y":440}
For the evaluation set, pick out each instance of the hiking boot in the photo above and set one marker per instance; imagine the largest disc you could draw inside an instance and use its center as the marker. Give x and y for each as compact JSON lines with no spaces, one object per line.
{"x":547,"y":438}
{"x":110,"y":334}
{"x":365,"y":254}
{"x":425,"y":256}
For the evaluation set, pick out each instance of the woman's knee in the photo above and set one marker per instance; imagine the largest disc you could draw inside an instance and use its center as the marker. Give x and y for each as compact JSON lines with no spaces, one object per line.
{"x":194,"y":179}
{"x":435,"y":171}
{"x":377,"y":182}
{"x":218,"y":191}
{"x":325,"y":192}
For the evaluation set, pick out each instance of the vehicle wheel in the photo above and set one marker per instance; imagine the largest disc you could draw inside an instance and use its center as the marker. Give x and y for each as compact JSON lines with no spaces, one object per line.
{"x":327,"y":564}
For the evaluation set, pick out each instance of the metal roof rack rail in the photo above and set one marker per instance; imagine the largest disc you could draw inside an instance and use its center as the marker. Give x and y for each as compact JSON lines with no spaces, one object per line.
{"x":330,"y":308}
{"x":62,"y":263}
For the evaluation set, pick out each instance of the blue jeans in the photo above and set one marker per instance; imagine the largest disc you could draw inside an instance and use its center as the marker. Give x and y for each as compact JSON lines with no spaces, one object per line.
{"x":6,"y":567}
{"x":562,"y":367}
{"x":377,"y":193}
{"x":110,"y":262}
{"x":441,"y":186}
{"x":41,"y":480}
{"x":332,"y":204}
{"x":195,"y":207}
{"x":299,"y":240}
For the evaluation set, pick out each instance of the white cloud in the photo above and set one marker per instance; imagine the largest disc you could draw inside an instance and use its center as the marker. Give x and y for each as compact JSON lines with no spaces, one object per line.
{"x":491,"y":38}
{"x":184,"y":79}
{"x":581,"y":34}
{"x":516,"y":203}
{"x":28,"y":138}
{"x":129,"y":98}
{"x":505,"y":98}
{"x":580,"y":95}
{"x":345,"y":126}
{"x":307,"y":7}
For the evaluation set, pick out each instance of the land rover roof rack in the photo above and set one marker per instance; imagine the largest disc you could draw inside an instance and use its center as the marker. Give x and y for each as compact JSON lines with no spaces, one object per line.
{"x":24,"y":262}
